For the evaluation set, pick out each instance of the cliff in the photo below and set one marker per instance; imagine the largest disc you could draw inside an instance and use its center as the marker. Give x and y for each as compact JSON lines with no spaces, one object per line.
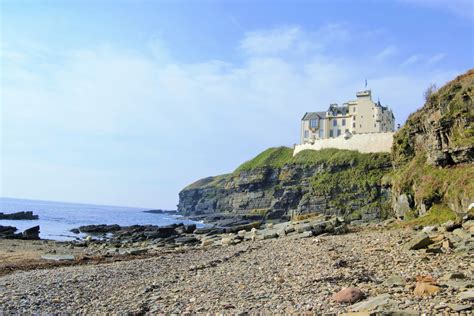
{"x":433,"y":153}
{"x":277,"y":185}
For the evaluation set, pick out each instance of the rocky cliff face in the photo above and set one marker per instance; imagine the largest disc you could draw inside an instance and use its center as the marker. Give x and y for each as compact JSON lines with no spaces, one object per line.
{"x":433,"y":153}
{"x":276,"y":185}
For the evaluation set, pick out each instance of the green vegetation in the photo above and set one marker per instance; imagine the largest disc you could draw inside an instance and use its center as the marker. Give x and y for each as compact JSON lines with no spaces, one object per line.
{"x":272,"y":158}
{"x":450,"y":112}
{"x":279,"y":156}
{"x":429,"y":184}
{"x":438,"y":214}
{"x":209,"y":182}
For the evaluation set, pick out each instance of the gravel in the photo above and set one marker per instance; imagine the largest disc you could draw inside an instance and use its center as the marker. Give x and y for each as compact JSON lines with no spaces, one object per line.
{"x":276,"y":275}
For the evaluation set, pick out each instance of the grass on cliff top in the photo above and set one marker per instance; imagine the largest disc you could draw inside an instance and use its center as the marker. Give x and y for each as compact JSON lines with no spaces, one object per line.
{"x":277,"y":157}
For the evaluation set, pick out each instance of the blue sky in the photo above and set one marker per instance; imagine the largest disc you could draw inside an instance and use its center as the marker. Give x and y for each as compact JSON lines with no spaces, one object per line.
{"x":127,"y":102}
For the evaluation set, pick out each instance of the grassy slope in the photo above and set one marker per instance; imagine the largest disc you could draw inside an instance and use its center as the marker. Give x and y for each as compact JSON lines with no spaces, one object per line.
{"x":279,"y":156}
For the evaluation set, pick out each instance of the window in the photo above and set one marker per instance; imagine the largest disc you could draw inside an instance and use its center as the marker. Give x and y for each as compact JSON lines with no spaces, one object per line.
{"x":347,"y":131}
{"x":354,"y":117}
{"x":375,"y":125}
{"x":354,"y":109}
{"x":354,"y":124}
{"x":331,"y":133}
{"x":306,"y":134}
{"x":334,"y":123}
{"x":343,"y":122}
{"x":313,"y":123}
{"x":321,"y":133}
{"x":360,"y":125}
{"x":338,"y":132}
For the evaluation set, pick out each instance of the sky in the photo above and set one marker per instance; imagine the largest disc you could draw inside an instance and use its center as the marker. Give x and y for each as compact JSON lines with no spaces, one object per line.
{"x":127,"y":102}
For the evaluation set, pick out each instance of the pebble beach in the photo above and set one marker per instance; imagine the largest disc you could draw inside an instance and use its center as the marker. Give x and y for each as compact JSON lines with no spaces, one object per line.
{"x":266,"y":276}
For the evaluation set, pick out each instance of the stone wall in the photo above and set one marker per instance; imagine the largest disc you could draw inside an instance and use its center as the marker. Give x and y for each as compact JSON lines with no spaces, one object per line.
{"x":365,"y":143}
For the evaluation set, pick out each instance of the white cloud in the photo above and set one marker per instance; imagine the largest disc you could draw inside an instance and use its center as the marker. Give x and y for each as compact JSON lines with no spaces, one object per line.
{"x":436,"y":58}
{"x":144,"y":124}
{"x":386,"y":53}
{"x":271,"y":41}
{"x":413,"y":59}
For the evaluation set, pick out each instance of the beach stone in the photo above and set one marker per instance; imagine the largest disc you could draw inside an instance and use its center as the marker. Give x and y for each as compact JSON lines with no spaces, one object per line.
{"x":421,"y":240}
{"x":300,"y":228}
{"x":459,"y":307}
{"x":57,"y":257}
{"x":374,"y":303}
{"x":451,"y":225}
{"x":348,"y":295}
{"x":186,"y":240}
{"x":394,"y":280}
{"x":466,"y":296}
{"x":306,"y":234}
{"x":425,"y":289}
{"x":461,"y":233}
{"x":429,"y":229}
{"x":206,"y":242}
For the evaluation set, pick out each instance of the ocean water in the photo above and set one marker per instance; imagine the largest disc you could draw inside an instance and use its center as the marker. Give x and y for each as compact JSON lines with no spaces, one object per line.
{"x":56,"y":219}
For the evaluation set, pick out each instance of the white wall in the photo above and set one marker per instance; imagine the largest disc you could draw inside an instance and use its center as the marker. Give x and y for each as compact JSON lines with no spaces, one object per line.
{"x":365,"y":143}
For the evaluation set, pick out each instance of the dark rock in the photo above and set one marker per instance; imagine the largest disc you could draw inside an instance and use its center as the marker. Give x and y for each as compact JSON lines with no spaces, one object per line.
{"x":31,"y":233}
{"x":186,"y":240}
{"x":28,"y":215}
{"x":7,"y":232}
{"x":97,"y":229}
{"x":209,"y":230}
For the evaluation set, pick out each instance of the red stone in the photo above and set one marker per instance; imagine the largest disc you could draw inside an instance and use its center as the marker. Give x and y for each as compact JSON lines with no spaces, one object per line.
{"x":348,"y":295}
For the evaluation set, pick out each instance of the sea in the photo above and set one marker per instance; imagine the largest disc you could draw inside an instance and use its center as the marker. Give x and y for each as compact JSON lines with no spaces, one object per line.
{"x":56,"y":219}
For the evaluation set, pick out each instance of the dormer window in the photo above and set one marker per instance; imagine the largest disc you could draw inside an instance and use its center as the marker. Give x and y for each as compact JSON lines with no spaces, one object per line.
{"x":313,"y":123}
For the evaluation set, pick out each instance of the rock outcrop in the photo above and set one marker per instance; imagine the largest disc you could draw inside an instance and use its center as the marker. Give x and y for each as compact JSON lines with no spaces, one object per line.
{"x":433,"y":153}
{"x":9,"y":232}
{"x":277,"y":185}
{"x":19,"y":216}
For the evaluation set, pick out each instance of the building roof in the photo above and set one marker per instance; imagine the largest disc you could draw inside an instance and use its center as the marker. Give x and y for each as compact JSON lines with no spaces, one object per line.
{"x":313,"y":115}
{"x":335,"y":110}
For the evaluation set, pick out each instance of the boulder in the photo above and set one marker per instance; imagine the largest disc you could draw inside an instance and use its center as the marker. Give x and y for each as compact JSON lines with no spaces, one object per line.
{"x":466,"y":296}
{"x":394,"y":280}
{"x":186,"y":240}
{"x":374,"y":303}
{"x":451,"y":225}
{"x":421,"y":240}
{"x":303,"y":227}
{"x":348,"y":295}
{"x":31,"y":233}
{"x":401,"y":205}
{"x":7,"y":231}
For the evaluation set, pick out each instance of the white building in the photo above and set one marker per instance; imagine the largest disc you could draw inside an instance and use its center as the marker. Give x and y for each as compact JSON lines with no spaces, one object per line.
{"x":354,"y":117}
